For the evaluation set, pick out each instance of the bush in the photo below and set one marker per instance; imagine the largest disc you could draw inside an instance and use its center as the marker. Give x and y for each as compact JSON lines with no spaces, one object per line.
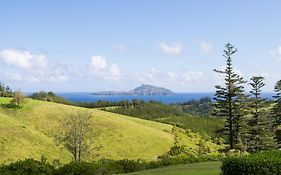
{"x":18,"y":99}
{"x":121,"y":166}
{"x":78,"y":168}
{"x":265,"y":163}
{"x":27,"y":167}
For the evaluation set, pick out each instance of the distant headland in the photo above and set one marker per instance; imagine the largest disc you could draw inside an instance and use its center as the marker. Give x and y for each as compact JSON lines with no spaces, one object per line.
{"x":144,"y":89}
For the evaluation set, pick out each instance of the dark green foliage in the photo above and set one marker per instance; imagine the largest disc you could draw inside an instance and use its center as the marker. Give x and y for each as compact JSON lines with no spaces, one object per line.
{"x":5,"y":91}
{"x":201,"y":107}
{"x":265,"y":163}
{"x":103,"y":166}
{"x":176,"y":150}
{"x":147,"y":110}
{"x":261,"y":132}
{"x":98,"y":104}
{"x":206,"y":126}
{"x":78,"y":168}
{"x":276,"y":110}
{"x":170,"y":114}
{"x":49,"y":96}
{"x":27,"y":167}
{"x":229,"y":99}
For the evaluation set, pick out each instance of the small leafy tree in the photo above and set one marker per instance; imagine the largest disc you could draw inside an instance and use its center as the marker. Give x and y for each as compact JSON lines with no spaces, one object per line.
{"x":18,"y":99}
{"x":261,"y":135}
{"x":75,"y":132}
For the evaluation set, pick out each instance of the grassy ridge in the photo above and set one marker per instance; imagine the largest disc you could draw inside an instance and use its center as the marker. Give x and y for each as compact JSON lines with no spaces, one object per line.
{"x":30,"y":132}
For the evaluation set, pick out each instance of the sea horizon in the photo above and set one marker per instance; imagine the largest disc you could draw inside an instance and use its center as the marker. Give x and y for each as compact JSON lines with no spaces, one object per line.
{"x":179,"y":97}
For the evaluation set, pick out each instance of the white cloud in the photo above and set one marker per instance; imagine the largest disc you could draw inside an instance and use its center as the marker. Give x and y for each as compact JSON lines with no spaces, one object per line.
{"x":31,"y":67}
{"x":98,"y":62}
{"x":189,"y":76}
{"x":162,"y":78}
{"x":172,"y":48}
{"x":40,"y":61}
{"x":120,"y":48}
{"x":206,"y":47}
{"x":14,"y":76}
{"x":115,"y":70}
{"x":277,"y":53}
{"x":99,"y":69}
{"x":17,"y":58}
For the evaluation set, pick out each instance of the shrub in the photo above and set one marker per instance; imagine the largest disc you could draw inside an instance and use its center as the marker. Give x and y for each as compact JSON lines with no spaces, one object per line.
{"x":121,"y":166}
{"x":265,"y":163}
{"x":27,"y":167}
{"x":18,"y":99}
{"x":78,"y":168}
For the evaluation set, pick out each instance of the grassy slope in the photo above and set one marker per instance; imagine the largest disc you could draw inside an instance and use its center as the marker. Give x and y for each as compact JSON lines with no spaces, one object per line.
{"x":30,"y":132}
{"x":206,"y":168}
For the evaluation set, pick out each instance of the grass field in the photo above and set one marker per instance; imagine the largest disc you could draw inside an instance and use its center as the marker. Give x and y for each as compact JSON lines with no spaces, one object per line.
{"x":206,"y":168}
{"x":30,"y":132}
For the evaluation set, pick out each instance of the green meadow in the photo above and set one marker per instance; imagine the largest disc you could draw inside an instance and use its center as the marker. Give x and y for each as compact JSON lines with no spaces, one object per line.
{"x":205,"y":168}
{"x":31,"y":131}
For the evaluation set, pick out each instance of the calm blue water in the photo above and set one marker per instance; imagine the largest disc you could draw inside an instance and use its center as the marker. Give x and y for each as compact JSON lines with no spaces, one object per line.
{"x":178,"y":98}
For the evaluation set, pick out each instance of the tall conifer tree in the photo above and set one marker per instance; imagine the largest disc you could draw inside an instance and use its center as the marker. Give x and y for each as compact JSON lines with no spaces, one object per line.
{"x":261,"y":123}
{"x":229,"y":99}
{"x":276,"y":110}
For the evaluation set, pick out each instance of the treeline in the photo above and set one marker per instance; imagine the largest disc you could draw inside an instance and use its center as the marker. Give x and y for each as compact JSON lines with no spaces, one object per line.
{"x":5,"y":91}
{"x":147,"y":110}
{"x":202,"y":107}
{"x":251,"y":123}
{"x":50,"y":97}
{"x":170,"y":114}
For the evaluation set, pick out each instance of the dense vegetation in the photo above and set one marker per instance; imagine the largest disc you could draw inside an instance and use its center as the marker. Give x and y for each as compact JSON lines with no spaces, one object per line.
{"x":265,"y":163}
{"x":170,"y":114}
{"x":49,"y":96}
{"x":202,"y":107}
{"x":250,"y":124}
{"x":104,"y":166}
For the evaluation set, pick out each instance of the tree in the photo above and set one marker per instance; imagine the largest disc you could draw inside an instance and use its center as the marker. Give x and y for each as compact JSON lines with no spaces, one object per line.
{"x":276,"y":110}
{"x":18,"y":99}
{"x":260,"y":131}
{"x":75,"y":130}
{"x":230,"y":98}
{"x":5,"y":91}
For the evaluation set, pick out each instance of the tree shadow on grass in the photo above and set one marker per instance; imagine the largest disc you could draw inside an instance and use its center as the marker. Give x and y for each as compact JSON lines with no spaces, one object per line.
{"x":10,"y":106}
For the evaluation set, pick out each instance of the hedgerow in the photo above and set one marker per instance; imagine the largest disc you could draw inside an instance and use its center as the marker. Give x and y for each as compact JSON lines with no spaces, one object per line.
{"x":263,"y":163}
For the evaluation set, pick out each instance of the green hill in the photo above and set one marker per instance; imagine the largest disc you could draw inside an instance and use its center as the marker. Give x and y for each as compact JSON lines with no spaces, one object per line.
{"x":31,"y":130}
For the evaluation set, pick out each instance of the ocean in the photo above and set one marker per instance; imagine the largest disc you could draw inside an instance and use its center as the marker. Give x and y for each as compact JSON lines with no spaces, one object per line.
{"x":178,"y":98}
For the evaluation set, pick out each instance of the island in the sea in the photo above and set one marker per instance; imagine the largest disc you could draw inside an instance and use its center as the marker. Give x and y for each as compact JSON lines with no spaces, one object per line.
{"x":141,"y":90}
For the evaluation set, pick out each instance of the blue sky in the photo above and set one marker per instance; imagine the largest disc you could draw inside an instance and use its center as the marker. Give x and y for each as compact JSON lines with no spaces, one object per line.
{"x":120,"y":44}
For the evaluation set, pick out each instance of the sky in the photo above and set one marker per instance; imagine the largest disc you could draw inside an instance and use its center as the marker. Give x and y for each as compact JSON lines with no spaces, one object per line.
{"x":86,"y":46}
